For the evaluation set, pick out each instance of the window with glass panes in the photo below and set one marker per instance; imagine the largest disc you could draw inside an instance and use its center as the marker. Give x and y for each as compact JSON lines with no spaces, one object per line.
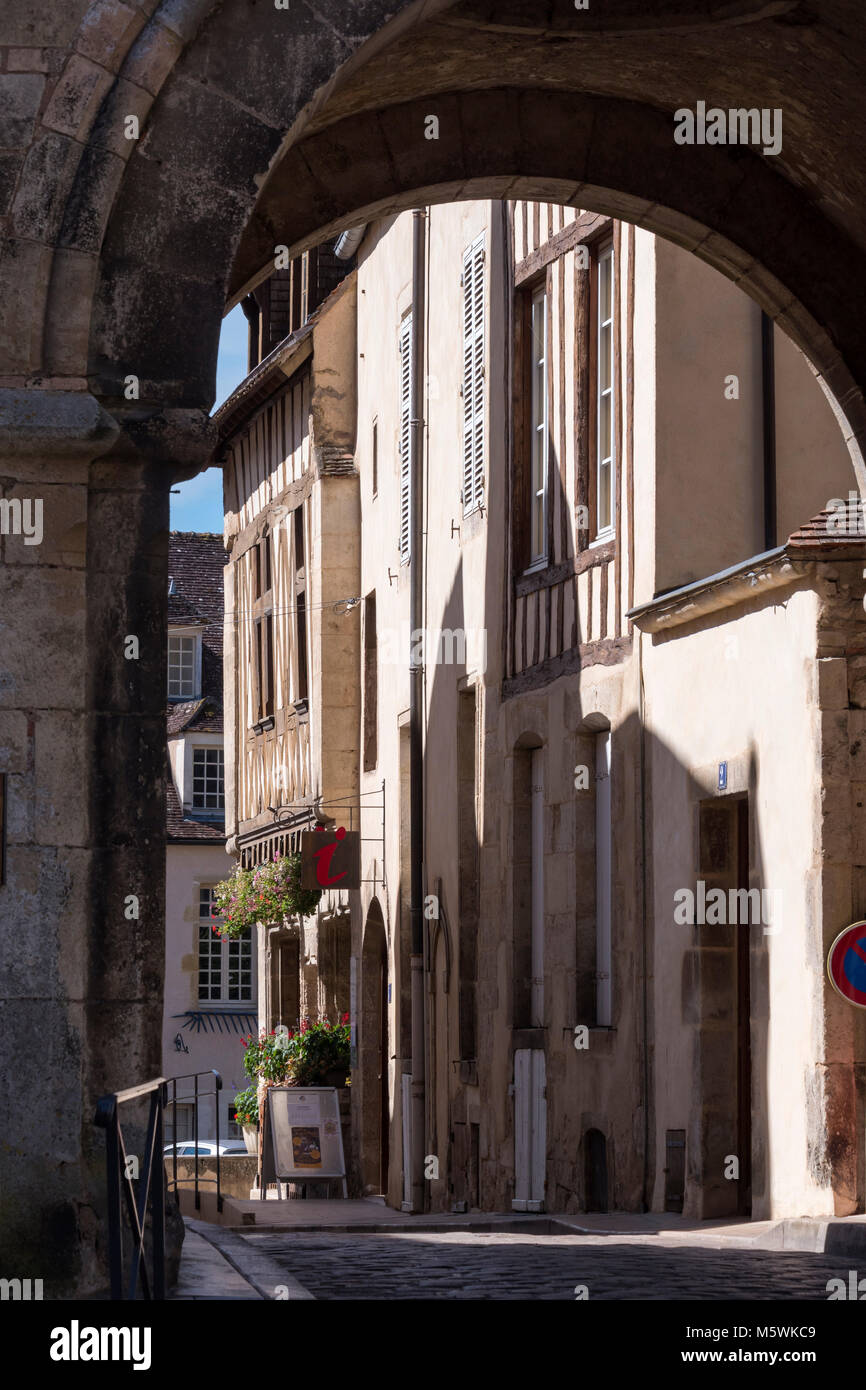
{"x":538,"y":429}
{"x":225,"y":968}
{"x":208,"y":771}
{"x":605,"y":403}
{"x":181,"y":667}
{"x":210,"y":956}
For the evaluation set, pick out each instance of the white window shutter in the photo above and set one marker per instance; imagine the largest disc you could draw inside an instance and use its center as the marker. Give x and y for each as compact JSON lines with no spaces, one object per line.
{"x":473,"y":375}
{"x":405,"y":476}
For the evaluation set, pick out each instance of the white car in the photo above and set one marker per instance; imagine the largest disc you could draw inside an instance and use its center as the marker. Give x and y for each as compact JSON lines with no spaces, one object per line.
{"x":207,"y":1148}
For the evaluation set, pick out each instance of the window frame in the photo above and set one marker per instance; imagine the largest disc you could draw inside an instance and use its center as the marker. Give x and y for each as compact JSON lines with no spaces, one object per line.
{"x":261,"y":630}
{"x":475,"y":375}
{"x":207,"y":812}
{"x":601,"y":251}
{"x":530,"y":293}
{"x":206,"y":922}
{"x":193,"y":634}
{"x":404,"y":353}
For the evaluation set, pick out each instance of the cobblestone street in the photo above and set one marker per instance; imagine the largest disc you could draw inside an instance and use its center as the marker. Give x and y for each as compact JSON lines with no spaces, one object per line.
{"x":464,"y":1265}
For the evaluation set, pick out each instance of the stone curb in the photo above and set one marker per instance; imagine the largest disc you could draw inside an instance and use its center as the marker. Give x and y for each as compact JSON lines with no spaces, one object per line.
{"x":260,"y":1271}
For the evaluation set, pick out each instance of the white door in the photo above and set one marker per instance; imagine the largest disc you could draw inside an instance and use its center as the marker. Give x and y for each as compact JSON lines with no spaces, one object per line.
{"x":530,"y":1130}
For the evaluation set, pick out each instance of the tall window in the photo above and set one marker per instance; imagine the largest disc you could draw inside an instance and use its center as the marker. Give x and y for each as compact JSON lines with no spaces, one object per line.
{"x":371,"y":684}
{"x":225,"y":968}
{"x":262,"y":632}
{"x":375,"y":452}
{"x":605,"y":465}
{"x":473,"y":376}
{"x":182,"y":667}
{"x":208,"y":771}
{"x":603,"y":998}
{"x":527,"y":850}
{"x":538,"y":429}
{"x":301,"y":683}
{"x":405,"y":346}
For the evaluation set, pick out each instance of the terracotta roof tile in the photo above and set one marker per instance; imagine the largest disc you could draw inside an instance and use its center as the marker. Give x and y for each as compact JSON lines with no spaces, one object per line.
{"x":196,"y":561}
{"x":179,"y":829}
{"x":841,"y":532}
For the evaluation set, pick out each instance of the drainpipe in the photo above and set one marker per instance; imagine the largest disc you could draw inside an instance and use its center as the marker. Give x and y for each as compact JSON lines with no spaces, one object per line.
{"x":645,"y":917}
{"x":768,"y":400}
{"x":416,"y":708}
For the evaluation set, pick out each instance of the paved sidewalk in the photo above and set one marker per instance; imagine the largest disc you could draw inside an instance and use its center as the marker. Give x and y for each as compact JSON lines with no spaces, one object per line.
{"x":206,"y":1274}
{"x":217,"y":1264}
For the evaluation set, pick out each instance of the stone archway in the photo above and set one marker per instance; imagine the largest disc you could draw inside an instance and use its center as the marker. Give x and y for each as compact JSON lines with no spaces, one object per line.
{"x":120,"y":251}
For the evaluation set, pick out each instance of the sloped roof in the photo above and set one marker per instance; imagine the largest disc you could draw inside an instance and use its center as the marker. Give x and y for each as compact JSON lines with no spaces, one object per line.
{"x":178,"y":829}
{"x":840,"y":532}
{"x":205,"y":715}
{"x":196,"y":565}
{"x":196,"y":562}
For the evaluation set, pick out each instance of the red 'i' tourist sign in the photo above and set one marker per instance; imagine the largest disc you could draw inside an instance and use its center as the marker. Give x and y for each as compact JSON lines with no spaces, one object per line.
{"x":846,"y":964}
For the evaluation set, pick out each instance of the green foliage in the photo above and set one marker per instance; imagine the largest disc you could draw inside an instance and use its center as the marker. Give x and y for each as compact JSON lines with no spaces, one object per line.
{"x":269,"y":1058}
{"x":320,"y":1048}
{"x":303,"y":1058}
{"x":247,"y":1107}
{"x":267,"y":894}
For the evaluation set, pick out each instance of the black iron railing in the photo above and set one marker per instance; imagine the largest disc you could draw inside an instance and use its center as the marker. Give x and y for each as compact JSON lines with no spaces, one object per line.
{"x":198,"y":1094}
{"x":120,"y":1178}
{"x":139,"y":1186}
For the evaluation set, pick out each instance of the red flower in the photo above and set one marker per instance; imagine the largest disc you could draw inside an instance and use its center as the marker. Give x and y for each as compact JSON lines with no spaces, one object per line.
{"x":345,"y":1018}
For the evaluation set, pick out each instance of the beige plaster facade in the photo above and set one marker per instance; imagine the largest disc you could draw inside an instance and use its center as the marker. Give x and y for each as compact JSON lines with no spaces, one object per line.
{"x":583,"y":1048}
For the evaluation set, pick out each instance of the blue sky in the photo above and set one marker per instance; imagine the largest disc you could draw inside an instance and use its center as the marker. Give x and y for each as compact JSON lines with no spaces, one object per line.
{"x":199,"y":503}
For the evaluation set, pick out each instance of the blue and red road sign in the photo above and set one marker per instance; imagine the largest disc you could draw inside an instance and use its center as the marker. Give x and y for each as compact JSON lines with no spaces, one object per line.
{"x":846,"y":964}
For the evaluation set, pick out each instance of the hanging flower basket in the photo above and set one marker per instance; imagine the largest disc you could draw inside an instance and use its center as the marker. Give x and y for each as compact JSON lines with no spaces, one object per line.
{"x":267,"y":893}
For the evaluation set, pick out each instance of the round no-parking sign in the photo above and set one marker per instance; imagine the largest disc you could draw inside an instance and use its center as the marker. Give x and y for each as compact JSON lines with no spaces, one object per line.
{"x":846,"y":964}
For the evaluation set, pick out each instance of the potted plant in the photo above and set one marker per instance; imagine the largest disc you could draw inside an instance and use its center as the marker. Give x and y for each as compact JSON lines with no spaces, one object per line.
{"x":247,"y":1116}
{"x":320,"y":1053}
{"x":267,"y":893}
{"x":316,"y":1055}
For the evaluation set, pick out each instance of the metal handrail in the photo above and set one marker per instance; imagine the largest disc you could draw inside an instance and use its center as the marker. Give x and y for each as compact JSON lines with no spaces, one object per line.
{"x":119,"y":1179}
{"x":196,"y":1096}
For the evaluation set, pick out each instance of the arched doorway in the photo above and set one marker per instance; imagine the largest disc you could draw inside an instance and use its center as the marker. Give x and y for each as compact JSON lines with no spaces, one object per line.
{"x":373,"y":1055}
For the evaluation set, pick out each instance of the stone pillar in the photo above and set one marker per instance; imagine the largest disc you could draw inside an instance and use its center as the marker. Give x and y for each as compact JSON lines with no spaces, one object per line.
{"x":82,"y":741}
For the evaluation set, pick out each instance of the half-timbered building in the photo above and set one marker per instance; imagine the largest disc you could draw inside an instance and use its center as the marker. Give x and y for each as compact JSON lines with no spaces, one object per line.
{"x":624,"y":637}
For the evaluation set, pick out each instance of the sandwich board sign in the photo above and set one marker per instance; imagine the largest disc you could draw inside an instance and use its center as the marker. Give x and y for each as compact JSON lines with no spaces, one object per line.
{"x":303,"y":1140}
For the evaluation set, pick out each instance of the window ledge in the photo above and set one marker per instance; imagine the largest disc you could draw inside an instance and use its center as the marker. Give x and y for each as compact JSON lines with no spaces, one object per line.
{"x":603,"y":538}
